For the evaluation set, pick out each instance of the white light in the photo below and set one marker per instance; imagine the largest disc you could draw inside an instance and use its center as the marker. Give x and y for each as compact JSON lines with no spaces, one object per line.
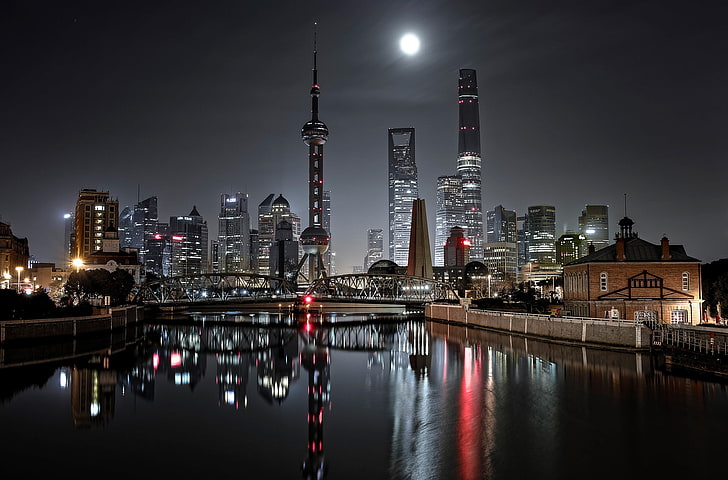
{"x":67,"y":215}
{"x":590,"y":231}
{"x":409,"y":44}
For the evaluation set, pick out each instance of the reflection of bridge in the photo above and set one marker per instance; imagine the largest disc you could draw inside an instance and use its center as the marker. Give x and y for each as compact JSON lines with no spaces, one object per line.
{"x":252,"y":288}
{"x":351,"y":334}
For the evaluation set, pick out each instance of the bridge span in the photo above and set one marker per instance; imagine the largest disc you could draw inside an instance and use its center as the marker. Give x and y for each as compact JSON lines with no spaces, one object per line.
{"x":247,"y":288}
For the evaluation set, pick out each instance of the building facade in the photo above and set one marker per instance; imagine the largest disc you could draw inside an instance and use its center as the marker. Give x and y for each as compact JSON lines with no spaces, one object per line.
{"x":594,"y":224}
{"x":571,"y":246}
{"x":95,"y":212}
{"x":403,"y":191}
{"x":501,"y":225}
{"x":14,"y":254}
{"x":450,"y":212}
{"x":188,"y":247}
{"x":541,"y":234}
{"x":469,"y":159}
{"x":232,"y":248}
{"x":501,"y":259}
{"x":457,"y":248}
{"x":633,"y":279}
{"x":375,"y":247}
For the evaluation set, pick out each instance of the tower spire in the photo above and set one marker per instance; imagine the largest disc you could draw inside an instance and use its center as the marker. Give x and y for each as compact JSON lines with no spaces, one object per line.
{"x":314,"y":239}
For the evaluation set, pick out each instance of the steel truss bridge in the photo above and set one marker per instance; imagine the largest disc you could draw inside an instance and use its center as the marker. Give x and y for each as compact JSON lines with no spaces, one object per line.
{"x":252,"y":288}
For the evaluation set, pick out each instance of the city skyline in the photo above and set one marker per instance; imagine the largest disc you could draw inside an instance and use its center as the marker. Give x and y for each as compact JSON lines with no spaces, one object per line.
{"x":579,"y":104}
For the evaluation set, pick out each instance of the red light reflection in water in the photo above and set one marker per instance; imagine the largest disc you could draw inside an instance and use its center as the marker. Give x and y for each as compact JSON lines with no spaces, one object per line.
{"x":469,"y":422}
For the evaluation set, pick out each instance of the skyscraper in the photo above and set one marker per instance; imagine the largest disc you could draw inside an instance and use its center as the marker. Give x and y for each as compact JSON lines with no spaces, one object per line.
{"x":266,"y":232}
{"x":450,"y":212}
{"x":188,"y":244}
{"x":315,"y":239}
{"x":233,"y":249}
{"x":67,"y":235}
{"x":375,"y":247}
{"x":329,"y":255}
{"x":457,"y":248}
{"x":594,"y":224}
{"x":403,"y":191}
{"x":501,"y":225}
{"x":541,"y":234}
{"x":469,"y":159}
{"x":95,"y":212}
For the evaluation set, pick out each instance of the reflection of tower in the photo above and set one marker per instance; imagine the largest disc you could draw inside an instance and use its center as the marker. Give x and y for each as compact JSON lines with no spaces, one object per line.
{"x":315,"y":359}
{"x":93,"y":393}
{"x":232,"y":379}
{"x":314,"y":239}
{"x":277,"y":366}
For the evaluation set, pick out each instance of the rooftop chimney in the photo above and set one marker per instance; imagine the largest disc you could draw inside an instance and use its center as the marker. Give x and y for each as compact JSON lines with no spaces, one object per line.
{"x":590,"y":248}
{"x":665,"y":243}
{"x":621,"y":254}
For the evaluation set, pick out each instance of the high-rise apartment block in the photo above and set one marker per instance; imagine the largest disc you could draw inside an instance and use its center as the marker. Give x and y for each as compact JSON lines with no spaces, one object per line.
{"x":469,"y":159}
{"x":594,"y":224}
{"x":450,"y":212}
{"x":95,"y":212}
{"x":375,"y":247}
{"x":403,"y":191}
{"x":232,"y":249}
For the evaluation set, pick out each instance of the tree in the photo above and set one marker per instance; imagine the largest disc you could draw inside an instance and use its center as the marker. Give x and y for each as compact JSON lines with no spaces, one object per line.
{"x":715,"y":286}
{"x":84,"y":285}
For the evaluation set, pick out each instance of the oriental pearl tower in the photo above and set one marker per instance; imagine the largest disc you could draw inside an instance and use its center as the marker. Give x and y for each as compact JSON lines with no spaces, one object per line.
{"x":314,"y":239}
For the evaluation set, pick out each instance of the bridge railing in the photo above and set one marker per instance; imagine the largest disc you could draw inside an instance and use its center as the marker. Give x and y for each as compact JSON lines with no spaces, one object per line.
{"x":382,"y":289}
{"x":210,"y":287}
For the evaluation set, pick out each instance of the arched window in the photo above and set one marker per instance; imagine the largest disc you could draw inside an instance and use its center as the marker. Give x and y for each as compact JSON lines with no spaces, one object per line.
{"x":603,"y":283}
{"x":686,"y":281}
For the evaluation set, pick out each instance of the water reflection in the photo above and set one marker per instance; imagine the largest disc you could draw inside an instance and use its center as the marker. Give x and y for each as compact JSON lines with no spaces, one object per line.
{"x":415,"y":399}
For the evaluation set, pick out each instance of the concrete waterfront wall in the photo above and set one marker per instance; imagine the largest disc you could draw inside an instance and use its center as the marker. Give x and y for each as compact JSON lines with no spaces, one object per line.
{"x":612,"y":333}
{"x":18,"y":330}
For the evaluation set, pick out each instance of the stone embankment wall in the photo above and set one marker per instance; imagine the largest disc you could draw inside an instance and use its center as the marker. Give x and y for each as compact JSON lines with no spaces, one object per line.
{"x":120,"y":317}
{"x":613,"y":333}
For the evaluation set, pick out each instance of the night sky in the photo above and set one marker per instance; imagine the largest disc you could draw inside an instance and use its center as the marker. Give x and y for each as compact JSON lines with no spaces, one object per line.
{"x":580,"y":102}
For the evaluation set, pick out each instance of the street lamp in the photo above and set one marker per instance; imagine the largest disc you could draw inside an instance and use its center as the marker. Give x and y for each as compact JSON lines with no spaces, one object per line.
{"x":78,"y":263}
{"x":19,"y":269}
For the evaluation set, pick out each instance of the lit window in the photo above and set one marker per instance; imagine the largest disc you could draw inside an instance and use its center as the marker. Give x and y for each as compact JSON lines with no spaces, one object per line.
{"x":99,"y":207}
{"x":686,"y":281}
{"x":603,"y":281}
{"x":679,"y":316}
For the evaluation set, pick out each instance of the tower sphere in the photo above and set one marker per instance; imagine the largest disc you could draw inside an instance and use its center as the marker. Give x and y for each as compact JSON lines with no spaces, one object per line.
{"x":314,"y":132}
{"x":314,"y":240}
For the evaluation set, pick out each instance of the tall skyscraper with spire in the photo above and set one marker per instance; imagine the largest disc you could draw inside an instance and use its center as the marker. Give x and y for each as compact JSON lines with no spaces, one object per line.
{"x":469,"y":160}
{"x":403,"y":191}
{"x":315,"y":239}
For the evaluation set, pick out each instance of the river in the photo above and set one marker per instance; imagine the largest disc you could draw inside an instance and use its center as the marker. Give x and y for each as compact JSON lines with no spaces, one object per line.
{"x":355,"y":396}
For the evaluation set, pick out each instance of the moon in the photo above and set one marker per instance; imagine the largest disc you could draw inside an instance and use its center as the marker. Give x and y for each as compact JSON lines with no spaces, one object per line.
{"x":409,"y":43}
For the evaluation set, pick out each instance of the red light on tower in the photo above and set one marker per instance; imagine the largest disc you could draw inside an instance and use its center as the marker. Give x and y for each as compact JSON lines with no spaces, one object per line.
{"x":307,"y":299}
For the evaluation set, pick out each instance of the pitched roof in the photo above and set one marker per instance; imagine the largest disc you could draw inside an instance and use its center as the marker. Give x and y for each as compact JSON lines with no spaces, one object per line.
{"x":636,"y":250}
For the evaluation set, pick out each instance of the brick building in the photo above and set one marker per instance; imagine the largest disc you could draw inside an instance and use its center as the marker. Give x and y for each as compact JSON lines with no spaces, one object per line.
{"x":14,"y":253}
{"x":633,"y":279}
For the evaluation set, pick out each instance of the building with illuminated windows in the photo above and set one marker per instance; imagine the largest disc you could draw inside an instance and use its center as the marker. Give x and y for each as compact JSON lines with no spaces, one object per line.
{"x":501,"y":225}
{"x":95,"y":212}
{"x":188,"y":246}
{"x":594,"y":224}
{"x":14,"y":253}
{"x":501,"y":259}
{"x":232,"y":248}
{"x":469,"y":159}
{"x":403,"y":191}
{"x":450,"y":212}
{"x":375,"y":247}
{"x":541,"y":234}
{"x":570,"y":246}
